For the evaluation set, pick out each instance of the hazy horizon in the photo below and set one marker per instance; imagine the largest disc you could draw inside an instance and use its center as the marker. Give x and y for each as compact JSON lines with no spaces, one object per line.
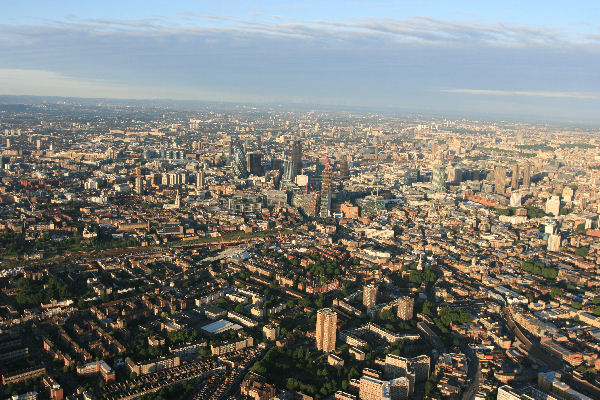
{"x":536,"y":60}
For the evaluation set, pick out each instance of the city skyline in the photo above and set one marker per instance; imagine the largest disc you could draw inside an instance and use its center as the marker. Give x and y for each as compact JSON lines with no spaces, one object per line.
{"x":339,"y":200}
{"x":154,"y":251}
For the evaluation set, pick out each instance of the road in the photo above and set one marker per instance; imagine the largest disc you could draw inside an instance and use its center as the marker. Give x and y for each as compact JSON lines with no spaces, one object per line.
{"x":473,"y":373}
{"x":474,"y":369}
{"x":535,"y":351}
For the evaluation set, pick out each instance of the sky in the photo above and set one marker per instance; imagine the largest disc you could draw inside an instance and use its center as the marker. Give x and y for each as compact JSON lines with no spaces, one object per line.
{"x":538,"y":59}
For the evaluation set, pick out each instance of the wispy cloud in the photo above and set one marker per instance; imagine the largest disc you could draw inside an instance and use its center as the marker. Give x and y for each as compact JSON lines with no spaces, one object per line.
{"x":419,"y":28}
{"x":369,"y":61}
{"x":488,"y":92}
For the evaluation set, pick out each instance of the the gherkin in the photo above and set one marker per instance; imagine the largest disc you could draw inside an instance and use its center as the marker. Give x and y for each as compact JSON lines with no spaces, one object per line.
{"x":239,"y":160}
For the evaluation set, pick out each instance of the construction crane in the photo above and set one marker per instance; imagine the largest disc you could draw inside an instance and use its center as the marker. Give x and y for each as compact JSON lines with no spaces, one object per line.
{"x":313,"y":189}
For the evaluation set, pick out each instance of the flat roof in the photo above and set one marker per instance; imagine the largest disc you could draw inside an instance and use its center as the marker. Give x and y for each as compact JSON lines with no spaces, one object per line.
{"x":220,"y":326}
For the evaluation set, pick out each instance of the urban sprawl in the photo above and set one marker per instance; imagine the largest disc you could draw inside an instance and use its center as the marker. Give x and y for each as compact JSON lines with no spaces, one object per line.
{"x":233,"y":252}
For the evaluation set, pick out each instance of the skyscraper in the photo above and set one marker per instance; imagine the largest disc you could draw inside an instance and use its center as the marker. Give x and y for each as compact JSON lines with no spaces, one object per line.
{"x":200,"y":179}
{"x":527,"y":175}
{"x":344,"y":169}
{"x":240,"y":169}
{"x":514,"y":181}
{"x":139,"y":185}
{"x":405,"y":308}
{"x":438,"y":178}
{"x":499,"y":179}
{"x":289,"y":171}
{"x":297,"y":157}
{"x":370,"y":295}
{"x":276,"y":164}
{"x":326,"y":329}
{"x":326,"y":191}
{"x":254,"y":161}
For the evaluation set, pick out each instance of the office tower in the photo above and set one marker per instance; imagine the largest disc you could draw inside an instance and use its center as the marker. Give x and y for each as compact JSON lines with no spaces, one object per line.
{"x":200,"y":179}
{"x":405,"y":308}
{"x":139,"y":185}
{"x":344,"y":168}
{"x":527,"y":175}
{"x":276,"y":164}
{"x":370,"y":295}
{"x":554,"y":243}
{"x":325,"y":206}
{"x":240,"y":169}
{"x":297,"y":157}
{"x":412,"y":175}
{"x":371,"y":206}
{"x":289,"y":171}
{"x":254,"y":161}
{"x":499,"y":179}
{"x":326,"y":329}
{"x":451,"y":175}
{"x":438,"y":178}
{"x":326,"y":191}
{"x":514,"y":181}
{"x":553,"y":206}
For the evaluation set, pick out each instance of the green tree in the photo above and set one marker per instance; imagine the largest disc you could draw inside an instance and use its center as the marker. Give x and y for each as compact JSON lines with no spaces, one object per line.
{"x":582,"y":251}
{"x":427,"y":308}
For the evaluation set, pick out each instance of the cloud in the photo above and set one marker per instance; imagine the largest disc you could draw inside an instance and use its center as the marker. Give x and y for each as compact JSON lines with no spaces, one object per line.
{"x":418,"y":28}
{"x":488,"y":92}
{"x":372,"y":62}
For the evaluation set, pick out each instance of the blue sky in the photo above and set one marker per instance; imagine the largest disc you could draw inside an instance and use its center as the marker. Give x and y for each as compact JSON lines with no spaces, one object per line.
{"x":527,"y":58}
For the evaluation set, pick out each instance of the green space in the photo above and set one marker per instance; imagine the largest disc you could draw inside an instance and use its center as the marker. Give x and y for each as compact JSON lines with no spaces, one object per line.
{"x":539,"y":269}
{"x":532,"y":212}
{"x":535,"y":147}
{"x":32,"y":293}
{"x":13,"y":244}
{"x":582,"y":251}
{"x":451,"y":316}
{"x":177,"y":391}
{"x":304,"y":370}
